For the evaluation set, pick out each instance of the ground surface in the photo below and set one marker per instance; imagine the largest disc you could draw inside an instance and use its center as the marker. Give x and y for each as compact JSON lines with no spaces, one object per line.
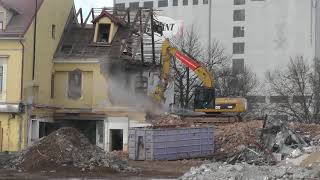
{"x":151,"y":170}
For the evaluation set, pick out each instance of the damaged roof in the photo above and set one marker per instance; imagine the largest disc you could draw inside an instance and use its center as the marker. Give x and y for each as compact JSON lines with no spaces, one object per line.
{"x":23,"y":15}
{"x":77,"y":43}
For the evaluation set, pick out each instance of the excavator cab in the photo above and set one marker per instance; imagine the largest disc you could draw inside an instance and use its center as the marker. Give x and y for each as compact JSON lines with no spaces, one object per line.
{"x":204,"y":98}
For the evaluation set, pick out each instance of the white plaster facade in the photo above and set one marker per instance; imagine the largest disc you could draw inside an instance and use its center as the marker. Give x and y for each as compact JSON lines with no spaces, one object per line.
{"x":119,"y":123}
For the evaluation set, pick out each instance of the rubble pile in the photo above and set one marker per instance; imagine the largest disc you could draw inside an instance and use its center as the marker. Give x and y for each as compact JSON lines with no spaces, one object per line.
{"x":68,"y":147}
{"x":311,"y":132}
{"x":222,"y":171}
{"x":169,"y":120}
{"x":231,"y":139}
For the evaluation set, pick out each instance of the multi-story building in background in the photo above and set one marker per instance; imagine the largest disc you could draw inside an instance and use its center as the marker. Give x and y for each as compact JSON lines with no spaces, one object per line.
{"x":262,"y":34}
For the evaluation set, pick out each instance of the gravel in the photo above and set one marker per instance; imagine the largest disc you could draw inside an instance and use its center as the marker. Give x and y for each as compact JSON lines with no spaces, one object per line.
{"x":223,"y":171}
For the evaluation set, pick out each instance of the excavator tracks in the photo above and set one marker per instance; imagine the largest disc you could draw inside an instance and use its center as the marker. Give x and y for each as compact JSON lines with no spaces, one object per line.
{"x":211,"y":119}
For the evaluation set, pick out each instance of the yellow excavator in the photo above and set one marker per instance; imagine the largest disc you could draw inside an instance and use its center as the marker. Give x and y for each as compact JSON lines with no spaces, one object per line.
{"x":205,"y":99}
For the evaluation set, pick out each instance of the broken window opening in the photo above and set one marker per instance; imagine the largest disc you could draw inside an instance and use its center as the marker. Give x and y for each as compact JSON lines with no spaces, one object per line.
{"x":104,"y":33}
{"x":75,"y":84}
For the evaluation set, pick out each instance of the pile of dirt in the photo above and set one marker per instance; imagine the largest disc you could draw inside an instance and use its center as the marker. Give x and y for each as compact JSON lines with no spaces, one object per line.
{"x":233,"y":138}
{"x":166,"y":121}
{"x":68,"y":147}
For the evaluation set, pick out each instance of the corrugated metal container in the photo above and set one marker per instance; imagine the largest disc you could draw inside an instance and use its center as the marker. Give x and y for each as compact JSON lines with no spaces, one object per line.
{"x":170,"y":144}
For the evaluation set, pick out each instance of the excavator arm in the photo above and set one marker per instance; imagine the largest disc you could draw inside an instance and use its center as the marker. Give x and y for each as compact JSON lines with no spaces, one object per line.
{"x":167,"y":53}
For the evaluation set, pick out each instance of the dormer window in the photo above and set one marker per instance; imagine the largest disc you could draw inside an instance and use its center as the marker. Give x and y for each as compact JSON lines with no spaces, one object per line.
{"x":106,"y":26}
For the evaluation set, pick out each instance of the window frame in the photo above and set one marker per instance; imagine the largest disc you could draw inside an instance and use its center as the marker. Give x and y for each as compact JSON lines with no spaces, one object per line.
{"x":239,"y":2}
{"x":52,"y":86}
{"x":242,"y":33}
{"x":185,"y":2}
{"x":53,"y":31}
{"x":235,"y":50}
{"x":195,"y":2}
{"x":175,"y":2}
{"x":205,"y":2}
{"x":239,"y":18}
{"x":148,"y":2}
{"x":236,"y":69}
{"x":166,"y":3}
{"x":132,"y":5}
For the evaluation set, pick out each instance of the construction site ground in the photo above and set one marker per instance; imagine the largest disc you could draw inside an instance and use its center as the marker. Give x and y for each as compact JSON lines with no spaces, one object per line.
{"x":150,"y":169}
{"x":230,"y":140}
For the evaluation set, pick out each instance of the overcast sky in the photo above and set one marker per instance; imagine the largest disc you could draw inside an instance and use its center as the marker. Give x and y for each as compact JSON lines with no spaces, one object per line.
{"x":88,"y":4}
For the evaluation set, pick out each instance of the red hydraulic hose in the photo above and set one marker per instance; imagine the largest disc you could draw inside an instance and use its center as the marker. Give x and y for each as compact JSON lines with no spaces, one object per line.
{"x":187,"y":61}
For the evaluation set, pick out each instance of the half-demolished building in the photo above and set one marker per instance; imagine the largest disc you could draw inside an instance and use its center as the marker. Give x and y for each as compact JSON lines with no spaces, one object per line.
{"x":60,"y":68}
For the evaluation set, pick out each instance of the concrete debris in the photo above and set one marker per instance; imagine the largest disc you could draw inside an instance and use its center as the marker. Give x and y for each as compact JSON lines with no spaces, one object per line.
{"x":281,"y":139}
{"x":168,"y":120}
{"x":243,"y":171}
{"x":310,"y":132}
{"x":68,"y":147}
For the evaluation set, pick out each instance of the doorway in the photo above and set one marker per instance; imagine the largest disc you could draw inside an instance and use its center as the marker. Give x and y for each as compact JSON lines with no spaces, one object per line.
{"x":116,"y":139}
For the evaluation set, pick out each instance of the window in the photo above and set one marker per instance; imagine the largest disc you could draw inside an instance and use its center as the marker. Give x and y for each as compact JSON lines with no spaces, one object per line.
{"x":120,"y":6}
{"x":163,"y":3}
{"x":239,"y":15}
{"x":75,"y":84}
{"x":195,"y":2}
{"x":185,"y":2}
{"x":104,"y":33}
{"x":53,"y":31}
{"x":239,"y":2}
{"x":205,"y":1}
{"x":52,"y":86}
{"x":148,"y":4}
{"x":174,"y":2}
{"x":134,"y":5}
{"x":238,"y":48}
{"x":2,"y":19}
{"x":301,"y":99}
{"x":279,"y":99}
{"x":238,"y":31}
{"x":256,"y":99}
{"x":3,"y":80}
{"x":237,"y":66}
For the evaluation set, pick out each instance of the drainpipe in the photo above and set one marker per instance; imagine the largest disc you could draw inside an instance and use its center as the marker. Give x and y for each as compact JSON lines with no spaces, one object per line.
{"x":210,"y":16}
{"x":34,"y":40}
{"x":21,"y":95}
{"x":22,"y":71}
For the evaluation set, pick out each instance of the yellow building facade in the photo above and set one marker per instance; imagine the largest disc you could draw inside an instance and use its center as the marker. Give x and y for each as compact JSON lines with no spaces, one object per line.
{"x":25,"y":73}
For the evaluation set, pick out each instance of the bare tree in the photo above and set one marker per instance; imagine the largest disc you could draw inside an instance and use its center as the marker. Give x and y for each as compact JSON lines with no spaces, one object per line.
{"x":300,"y":82}
{"x":229,"y":83}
